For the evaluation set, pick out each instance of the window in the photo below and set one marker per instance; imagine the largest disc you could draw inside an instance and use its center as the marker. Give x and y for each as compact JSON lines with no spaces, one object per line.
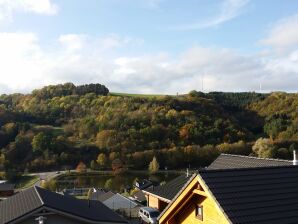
{"x":199,"y":212}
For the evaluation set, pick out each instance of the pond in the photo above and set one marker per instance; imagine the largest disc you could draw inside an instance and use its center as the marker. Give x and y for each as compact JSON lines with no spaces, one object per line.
{"x":116,"y":183}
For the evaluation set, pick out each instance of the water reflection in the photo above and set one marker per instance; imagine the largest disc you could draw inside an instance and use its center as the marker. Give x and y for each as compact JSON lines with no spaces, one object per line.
{"x":115,"y":183}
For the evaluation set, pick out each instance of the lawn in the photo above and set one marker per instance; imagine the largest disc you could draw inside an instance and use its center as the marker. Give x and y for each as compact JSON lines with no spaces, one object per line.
{"x":137,"y":95}
{"x":55,"y":130}
{"x":82,"y":197}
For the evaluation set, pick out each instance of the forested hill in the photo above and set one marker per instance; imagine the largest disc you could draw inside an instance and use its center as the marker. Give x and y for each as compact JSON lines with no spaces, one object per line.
{"x":59,"y":126}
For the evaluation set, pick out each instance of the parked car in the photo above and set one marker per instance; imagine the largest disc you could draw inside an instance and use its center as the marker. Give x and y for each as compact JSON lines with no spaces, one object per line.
{"x":148,"y":215}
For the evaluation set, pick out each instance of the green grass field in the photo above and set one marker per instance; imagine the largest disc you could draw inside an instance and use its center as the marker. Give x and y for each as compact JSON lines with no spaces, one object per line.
{"x":55,"y":130}
{"x":138,"y":95}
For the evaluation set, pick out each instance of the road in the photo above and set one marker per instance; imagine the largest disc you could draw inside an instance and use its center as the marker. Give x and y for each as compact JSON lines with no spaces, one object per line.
{"x":46,"y":176}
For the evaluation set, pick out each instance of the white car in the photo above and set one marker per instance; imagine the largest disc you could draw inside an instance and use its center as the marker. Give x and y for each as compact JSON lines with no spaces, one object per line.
{"x":148,"y":215}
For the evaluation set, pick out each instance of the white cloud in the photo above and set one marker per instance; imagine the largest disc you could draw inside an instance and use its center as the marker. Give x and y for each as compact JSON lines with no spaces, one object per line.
{"x":283,"y":36}
{"x":19,"y":54}
{"x":228,"y":10}
{"x":9,"y":7}
{"x":25,"y":65}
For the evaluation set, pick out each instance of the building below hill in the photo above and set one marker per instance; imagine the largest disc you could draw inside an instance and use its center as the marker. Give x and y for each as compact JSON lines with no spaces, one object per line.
{"x":240,"y":196}
{"x":229,"y":161}
{"x":159,"y":197}
{"x":37,"y":205}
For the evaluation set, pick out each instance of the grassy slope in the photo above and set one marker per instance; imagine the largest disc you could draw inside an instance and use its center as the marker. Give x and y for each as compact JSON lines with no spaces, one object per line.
{"x":137,"y":95}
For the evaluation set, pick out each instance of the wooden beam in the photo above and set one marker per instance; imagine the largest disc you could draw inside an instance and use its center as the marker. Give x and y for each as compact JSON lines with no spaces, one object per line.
{"x":180,"y":206}
{"x":178,"y":199}
{"x":199,"y":192}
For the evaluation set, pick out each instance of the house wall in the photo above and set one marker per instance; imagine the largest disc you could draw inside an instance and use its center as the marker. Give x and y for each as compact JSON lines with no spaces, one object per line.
{"x":153,"y":202}
{"x":156,"y":203}
{"x":183,"y":208}
{"x":211,"y":213}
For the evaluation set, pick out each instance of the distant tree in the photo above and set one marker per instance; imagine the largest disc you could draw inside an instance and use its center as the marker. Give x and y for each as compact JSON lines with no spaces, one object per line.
{"x":89,"y":194}
{"x":2,"y":160}
{"x":273,"y":127}
{"x":81,"y":167}
{"x":108,"y":184}
{"x":41,"y":142}
{"x":93,"y":165}
{"x":98,"y":89}
{"x":239,"y":148}
{"x":153,"y":166}
{"x":11,"y":175}
{"x":106,"y":138}
{"x":113,"y":156}
{"x":19,"y":149}
{"x":118,"y":166}
{"x":49,"y":185}
{"x":283,"y":153}
{"x":293,"y":146}
{"x":194,"y":93}
{"x":102,"y":160}
{"x":263,"y":148}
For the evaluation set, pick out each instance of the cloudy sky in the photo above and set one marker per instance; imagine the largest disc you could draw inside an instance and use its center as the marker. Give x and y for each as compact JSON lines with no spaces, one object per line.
{"x":150,"y":46}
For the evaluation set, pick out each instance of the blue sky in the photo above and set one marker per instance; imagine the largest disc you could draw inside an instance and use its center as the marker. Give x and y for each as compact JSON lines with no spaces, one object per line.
{"x":150,"y":46}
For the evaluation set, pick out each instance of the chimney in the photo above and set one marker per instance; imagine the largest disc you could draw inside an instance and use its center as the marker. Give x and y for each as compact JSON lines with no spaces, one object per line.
{"x":295,"y":162}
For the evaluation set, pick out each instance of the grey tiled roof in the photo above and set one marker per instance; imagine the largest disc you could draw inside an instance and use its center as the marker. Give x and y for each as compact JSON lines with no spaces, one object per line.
{"x":170,"y":189}
{"x":35,"y":197}
{"x":228,"y":161}
{"x":19,"y":205}
{"x":102,"y":197}
{"x":256,"y":195}
{"x":6,"y":187}
{"x":139,"y":196}
{"x":118,"y":201}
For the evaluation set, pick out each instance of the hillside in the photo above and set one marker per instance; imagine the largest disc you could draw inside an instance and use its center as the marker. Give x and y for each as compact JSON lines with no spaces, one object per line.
{"x":59,"y":126}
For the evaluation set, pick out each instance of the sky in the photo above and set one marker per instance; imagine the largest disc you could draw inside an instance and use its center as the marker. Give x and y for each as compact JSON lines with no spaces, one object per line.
{"x":150,"y":46}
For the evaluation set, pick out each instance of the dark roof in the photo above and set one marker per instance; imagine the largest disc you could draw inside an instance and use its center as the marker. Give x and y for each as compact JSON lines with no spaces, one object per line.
{"x":35,"y":198}
{"x":6,"y":187}
{"x":139,"y":196}
{"x":228,"y":161}
{"x":143,"y":184}
{"x":170,"y":189}
{"x":95,"y":195}
{"x":256,"y":195}
{"x":103,"y":197}
{"x":118,"y":201}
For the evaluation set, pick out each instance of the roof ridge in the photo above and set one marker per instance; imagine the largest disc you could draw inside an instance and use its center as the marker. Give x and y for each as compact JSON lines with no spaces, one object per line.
{"x":36,"y":188}
{"x":254,"y":157}
{"x":245,"y":168}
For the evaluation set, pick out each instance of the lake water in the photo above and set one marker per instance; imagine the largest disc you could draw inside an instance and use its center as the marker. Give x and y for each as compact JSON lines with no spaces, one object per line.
{"x":116,"y":183}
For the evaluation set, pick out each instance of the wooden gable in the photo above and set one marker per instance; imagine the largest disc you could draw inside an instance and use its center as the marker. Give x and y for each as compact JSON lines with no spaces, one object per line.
{"x":184,"y":208}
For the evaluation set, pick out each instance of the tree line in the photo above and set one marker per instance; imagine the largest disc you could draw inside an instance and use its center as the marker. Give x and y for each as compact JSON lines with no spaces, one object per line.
{"x":59,"y":126}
